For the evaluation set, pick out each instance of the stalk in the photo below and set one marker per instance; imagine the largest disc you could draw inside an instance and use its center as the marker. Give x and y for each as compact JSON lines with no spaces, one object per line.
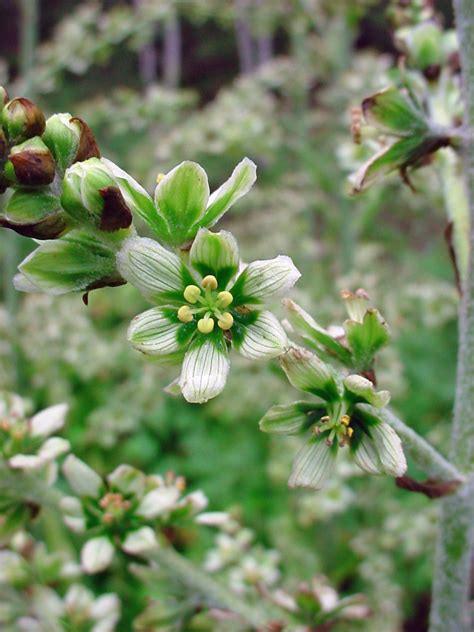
{"x":450,"y":610}
{"x":28,"y":38}
{"x":203,"y":584}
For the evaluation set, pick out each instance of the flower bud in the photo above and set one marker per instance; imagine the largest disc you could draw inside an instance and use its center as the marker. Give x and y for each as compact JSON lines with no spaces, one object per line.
{"x":30,"y":164}
{"x":82,"y":478}
{"x":22,"y":119}
{"x":3,"y":96}
{"x":139,"y":541}
{"x":35,"y":213}
{"x":90,"y":196}
{"x":96,"y":555}
{"x":70,"y":140}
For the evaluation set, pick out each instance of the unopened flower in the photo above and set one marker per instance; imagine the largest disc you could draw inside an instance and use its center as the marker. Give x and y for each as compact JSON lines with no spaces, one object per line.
{"x":336,"y":423}
{"x":206,"y":307}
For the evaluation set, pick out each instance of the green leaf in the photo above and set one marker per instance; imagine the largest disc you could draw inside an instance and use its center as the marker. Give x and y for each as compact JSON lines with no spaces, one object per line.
{"x":79,"y":261}
{"x":367,"y":338}
{"x":181,"y":198}
{"x":392,"y":111}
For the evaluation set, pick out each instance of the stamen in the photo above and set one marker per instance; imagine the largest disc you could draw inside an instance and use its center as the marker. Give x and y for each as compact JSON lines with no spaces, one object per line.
{"x":206,"y":325}
{"x":191,"y":293}
{"x":225,"y":299}
{"x":185,"y":314}
{"x":345,"y":420}
{"x":209,"y":282}
{"x":350,"y":432}
{"x":226,"y":321}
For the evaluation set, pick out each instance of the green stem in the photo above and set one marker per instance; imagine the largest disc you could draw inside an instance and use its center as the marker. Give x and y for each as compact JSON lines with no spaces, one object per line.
{"x":450,"y":610}
{"x":28,"y":38}
{"x":203,"y":584}
{"x":424,"y":455}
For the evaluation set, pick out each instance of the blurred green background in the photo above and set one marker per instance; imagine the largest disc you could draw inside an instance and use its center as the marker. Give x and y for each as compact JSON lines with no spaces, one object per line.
{"x":213,"y":81}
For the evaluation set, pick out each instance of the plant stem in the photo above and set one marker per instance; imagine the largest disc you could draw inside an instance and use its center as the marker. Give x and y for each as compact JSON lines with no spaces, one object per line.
{"x":202,"y":583}
{"x":426,"y":457}
{"x":450,"y":610}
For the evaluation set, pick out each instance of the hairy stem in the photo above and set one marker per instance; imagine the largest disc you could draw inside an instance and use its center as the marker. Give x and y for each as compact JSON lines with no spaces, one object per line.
{"x":450,"y":610}
{"x":426,"y":457}
{"x":202,"y":583}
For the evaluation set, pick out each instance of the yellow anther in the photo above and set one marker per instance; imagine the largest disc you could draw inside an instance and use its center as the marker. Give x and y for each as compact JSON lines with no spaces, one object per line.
{"x":184,"y":314}
{"x":206,"y":325}
{"x":350,"y":432}
{"x":191,"y":293}
{"x":225,"y":299}
{"x":325,"y":418}
{"x":346,"y":420}
{"x":226,"y":321}
{"x":160,"y":177}
{"x":209,"y":281}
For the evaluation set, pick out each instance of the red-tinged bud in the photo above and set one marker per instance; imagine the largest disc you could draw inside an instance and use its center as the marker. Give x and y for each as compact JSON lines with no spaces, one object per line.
{"x":22,"y":119}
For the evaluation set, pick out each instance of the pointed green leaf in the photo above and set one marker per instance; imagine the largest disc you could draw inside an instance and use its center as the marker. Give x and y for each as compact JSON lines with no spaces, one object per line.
{"x":367,"y":338}
{"x":392,"y":111}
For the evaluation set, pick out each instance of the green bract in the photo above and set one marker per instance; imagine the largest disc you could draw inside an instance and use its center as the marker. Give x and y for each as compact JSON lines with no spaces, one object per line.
{"x":394,"y":112}
{"x":182,"y":204}
{"x":204,"y":307}
{"x":334,"y":422}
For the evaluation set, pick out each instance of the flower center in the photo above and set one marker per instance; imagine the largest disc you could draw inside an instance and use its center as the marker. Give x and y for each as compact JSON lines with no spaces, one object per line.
{"x":339,"y":429}
{"x":208,"y":303}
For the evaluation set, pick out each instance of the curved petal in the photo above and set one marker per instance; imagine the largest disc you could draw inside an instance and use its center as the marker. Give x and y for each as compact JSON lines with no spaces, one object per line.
{"x":216,"y":254}
{"x":308,"y":373}
{"x":205,"y":369}
{"x":48,"y":420}
{"x":155,"y":271}
{"x":240,"y":182}
{"x":313,"y":465}
{"x":181,"y":198}
{"x":365,"y":456}
{"x":288,"y":419}
{"x":155,"y":332}
{"x":389,"y":448}
{"x":263,"y":338}
{"x":262,"y":280}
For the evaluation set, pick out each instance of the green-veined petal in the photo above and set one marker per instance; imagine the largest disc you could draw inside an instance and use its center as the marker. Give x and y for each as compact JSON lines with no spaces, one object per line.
{"x":308,"y":373}
{"x":389,"y":448}
{"x":205,"y":369}
{"x":155,"y":271}
{"x":313,"y":465}
{"x":216,"y":254}
{"x":289,"y":419}
{"x":262,"y":338}
{"x":155,"y":332}
{"x":366,"y":456}
{"x":262,"y":280}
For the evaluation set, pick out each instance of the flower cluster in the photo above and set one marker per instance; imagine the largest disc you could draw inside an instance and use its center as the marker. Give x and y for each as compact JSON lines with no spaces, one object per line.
{"x":25,"y":442}
{"x":123,"y":511}
{"x":336,"y":419}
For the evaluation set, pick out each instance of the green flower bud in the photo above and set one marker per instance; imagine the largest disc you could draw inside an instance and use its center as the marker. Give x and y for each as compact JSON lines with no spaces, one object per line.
{"x":22,"y":119}
{"x":91,"y":196}
{"x":70,"y":140}
{"x":30,"y":164}
{"x":35,"y":213}
{"x":3,"y":96}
